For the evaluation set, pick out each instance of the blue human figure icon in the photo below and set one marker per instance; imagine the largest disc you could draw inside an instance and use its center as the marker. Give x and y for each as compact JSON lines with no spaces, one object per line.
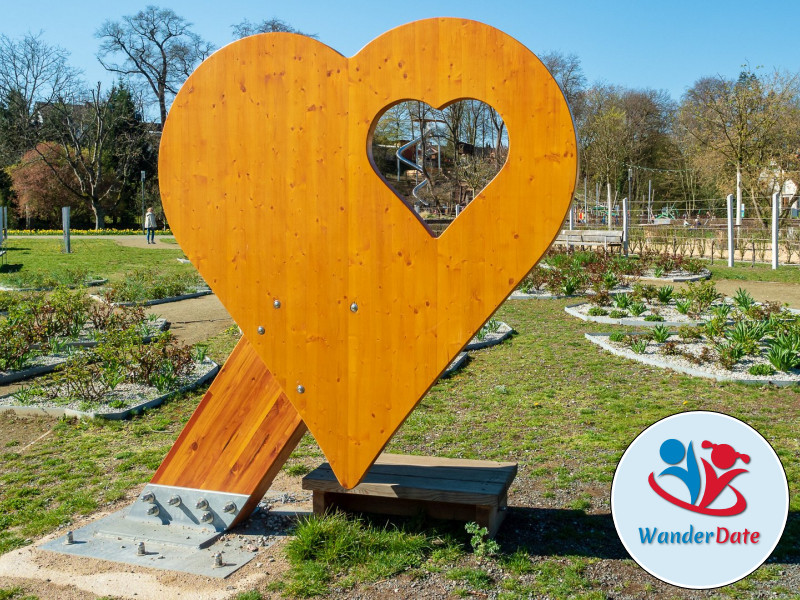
{"x":672,"y":453}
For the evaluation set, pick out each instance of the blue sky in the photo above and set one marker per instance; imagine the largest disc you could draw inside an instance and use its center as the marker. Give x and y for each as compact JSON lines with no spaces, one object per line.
{"x":639,"y":44}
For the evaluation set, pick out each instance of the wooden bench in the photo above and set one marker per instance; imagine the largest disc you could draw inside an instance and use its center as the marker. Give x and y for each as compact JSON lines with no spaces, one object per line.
{"x":590,"y":238}
{"x":443,"y":488}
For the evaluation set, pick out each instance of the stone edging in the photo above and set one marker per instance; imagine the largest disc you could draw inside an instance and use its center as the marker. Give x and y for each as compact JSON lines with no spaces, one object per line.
{"x":503,"y":332}
{"x":159,"y":301}
{"x":680,"y":278}
{"x":629,"y":321}
{"x":112,"y":416}
{"x":601,"y":340}
{"x":459,"y":361}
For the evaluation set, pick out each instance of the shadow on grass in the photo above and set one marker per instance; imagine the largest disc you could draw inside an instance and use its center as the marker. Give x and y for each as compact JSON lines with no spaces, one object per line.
{"x":9,"y":268}
{"x":554,"y":532}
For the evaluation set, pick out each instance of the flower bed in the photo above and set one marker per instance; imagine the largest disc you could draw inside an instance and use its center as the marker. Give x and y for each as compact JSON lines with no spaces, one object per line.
{"x":492,"y":333}
{"x":80,"y":232}
{"x":146,"y":287}
{"x":563,"y":273}
{"x":751,"y":342}
{"x":118,"y":374}
{"x":40,"y":331}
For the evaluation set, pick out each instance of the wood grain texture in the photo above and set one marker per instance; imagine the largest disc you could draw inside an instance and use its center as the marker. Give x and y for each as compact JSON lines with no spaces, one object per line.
{"x":268,"y":186}
{"x":239,"y":436}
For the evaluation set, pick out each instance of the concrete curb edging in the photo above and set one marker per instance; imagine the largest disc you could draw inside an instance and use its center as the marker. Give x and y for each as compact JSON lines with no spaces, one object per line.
{"x":601,"y":339}
{"x":113,"y":416}
{"x":159,"y":301}
{"x":706,"y":274}
{"x":503,"y":332}
{"x":459,"y":361}
{"x":628,"y":321}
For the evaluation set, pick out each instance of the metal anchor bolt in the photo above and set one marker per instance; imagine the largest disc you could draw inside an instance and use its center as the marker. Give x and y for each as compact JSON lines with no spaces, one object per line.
{"x":174,"y":501}
{"x":149,"y":497}
{"x":152,"y":511}
{"x":140,"y":551}
{"x":202,"y":504}
{"x":207,"y":517}
{"x":70,"y":539}
{"x":230,"y":507}
{"x":218,"y":560}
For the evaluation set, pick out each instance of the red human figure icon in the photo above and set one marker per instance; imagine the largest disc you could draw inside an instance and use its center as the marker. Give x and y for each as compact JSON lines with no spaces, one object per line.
{"x":724,"y":457}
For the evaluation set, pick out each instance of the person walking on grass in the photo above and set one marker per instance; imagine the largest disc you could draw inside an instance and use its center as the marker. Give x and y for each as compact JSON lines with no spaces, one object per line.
{"x":150,"y":225}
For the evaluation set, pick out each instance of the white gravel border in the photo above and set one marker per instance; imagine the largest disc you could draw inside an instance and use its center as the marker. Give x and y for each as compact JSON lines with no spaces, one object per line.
{"x":575,"y":311}
{"x":680,"y":365}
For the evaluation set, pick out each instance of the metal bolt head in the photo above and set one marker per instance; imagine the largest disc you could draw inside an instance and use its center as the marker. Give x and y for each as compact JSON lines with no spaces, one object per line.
{"x":206,"y":517}
{"x":301,"y":389}
{"x":152,"y":511}
{"x":218,"y":560}
{"x":174,"y":501}
{"x":202,"y":504}
{"x":140,"y":551}
{"x":149,"y":497}
{"x":70,"y":539}
{"x":230,"y":507}
{"x":276,"y":303}
{"x":354,"y":307}
{"x":261,"y":330}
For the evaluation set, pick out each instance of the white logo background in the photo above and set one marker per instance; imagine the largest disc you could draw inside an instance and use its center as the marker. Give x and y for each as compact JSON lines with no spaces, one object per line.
{"x":635,"y":505}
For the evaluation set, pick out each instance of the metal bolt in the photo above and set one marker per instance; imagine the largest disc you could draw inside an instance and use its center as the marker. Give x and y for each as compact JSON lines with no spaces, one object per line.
{"x":276,"y":303}
{"x":152,"y":511}
{"x":140,"y":551}
{"x":174,"y":501}
{"x":261,"y":330}
{"x":70,"y":539}
{"x":202,"y":504}
{"x":230,"y":507}
{"x":301,"y":389}
{"x":354,"y":307}
{"x":149,"y":497}
{"x":207,"y":517}
{"x":218,"y":560}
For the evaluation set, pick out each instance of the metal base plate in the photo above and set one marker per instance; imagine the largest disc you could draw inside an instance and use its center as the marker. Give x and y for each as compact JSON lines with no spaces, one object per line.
{"x":174,"y":539}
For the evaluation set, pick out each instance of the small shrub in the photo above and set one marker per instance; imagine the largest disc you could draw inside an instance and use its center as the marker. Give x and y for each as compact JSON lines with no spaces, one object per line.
{"x":720,"y":311}
{"x":693,"y":266}
{"x":645,"y":292}
{"x":571,"y":284}
{"x":602,"y":298}
{"x":660,"y":334}
{"x":654,"y":318}
{"x":743,"y":300}
{"x":621,"y":301}
{"x":637,"y":308}
{"x":671,"y":348}
{"x":665,"y":294}
{"x":689,"y":334}
{"x":534,"y":281}
{"x":596,"y":311}
{"x":639,"y":345}
{"x":683,"y":306}
{"x":617,"y":337}
{"x":783,"y":359}
{"x":618,"y":314}
{"x":610,"y":280}
{"x":482,"y":545}
{"x":761,"y":369}
{"x":729,"y":354}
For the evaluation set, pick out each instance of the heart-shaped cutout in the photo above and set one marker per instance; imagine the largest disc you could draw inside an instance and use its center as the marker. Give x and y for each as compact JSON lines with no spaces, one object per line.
{"x":437,"y":160}
{"x":269,"y":191}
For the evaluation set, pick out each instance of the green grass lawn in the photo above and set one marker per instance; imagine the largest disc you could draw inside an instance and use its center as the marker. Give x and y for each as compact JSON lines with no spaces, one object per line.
{"x":33,"y":262}
{"x":547,"y":399}
{"x":748,"y":272}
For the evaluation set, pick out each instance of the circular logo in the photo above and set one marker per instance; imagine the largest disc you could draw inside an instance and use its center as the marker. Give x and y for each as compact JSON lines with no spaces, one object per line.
{"x":699,"y":499}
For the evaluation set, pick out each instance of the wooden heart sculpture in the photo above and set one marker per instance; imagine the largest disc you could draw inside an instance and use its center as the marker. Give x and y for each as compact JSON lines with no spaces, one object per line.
{"x":269,"y":189}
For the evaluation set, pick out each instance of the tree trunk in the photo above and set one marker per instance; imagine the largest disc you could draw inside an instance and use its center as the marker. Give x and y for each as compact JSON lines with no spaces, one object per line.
{"x":99,"y":216}
{"x":608,"y":189}
{"x":738,"y":193}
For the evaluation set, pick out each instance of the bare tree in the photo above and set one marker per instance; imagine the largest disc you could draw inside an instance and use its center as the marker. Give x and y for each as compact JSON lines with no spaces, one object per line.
{"x":739,"y":123}
{"x":246,"y":27}
{"x":32,"y":74}
{"x":154,"y":45}
{"x":567,"y":71}
{"x":98,"y":143}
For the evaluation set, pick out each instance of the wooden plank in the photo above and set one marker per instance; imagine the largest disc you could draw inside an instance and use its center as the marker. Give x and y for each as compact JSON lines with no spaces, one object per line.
{"x":239,"y":436}
{"x":486,"y":475}
{"x":435,"y":482}
{"x":268,"y":141}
